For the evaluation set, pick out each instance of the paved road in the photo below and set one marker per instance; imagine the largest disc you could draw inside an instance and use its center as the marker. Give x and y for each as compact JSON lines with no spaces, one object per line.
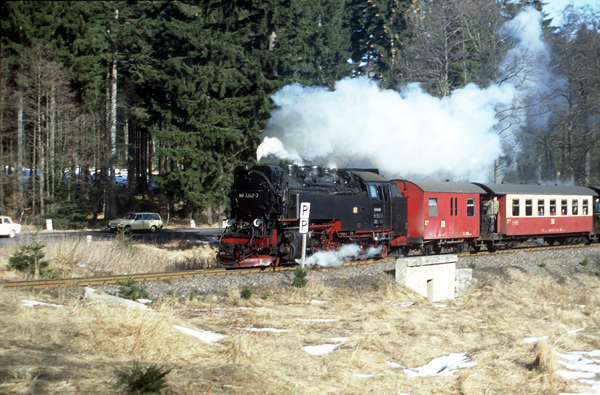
{"x":200,"y":235}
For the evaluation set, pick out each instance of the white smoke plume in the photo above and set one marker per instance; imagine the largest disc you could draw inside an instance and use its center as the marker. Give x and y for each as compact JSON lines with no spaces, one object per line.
{"x":335,"y":258}
{"x":401,"y":133}
{"x":527,"y":67}
{"x":406,"y":133}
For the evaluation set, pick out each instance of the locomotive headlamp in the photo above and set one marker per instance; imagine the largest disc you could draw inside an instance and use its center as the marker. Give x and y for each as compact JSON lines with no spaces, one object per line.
{"x":230,"y":222}
{"x":257,"y":223}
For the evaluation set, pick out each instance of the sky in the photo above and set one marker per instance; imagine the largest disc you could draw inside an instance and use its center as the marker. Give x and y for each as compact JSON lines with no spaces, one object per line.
{"x":555,"y":7}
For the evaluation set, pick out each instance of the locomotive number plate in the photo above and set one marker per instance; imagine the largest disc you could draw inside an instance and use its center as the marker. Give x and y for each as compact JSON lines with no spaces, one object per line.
{"x":248,"y":195}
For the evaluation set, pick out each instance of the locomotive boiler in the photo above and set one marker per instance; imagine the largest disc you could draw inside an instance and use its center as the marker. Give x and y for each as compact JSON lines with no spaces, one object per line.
{"x":348,"y":206}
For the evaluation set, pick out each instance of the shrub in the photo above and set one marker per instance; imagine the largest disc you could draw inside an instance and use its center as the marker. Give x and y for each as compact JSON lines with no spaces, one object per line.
{"x":68,"y":214}
{"x":30,"y":259}
{"x":131,"y":290}
{"x":265,"y":295}
{"x":246,"y":292}
{"x":542,"y":265}
{"x":300,"y":279}
{"x":124,"y":238}
{"x":192,"y":295}
{"x":141,"y":380}
{"x":586,"y":261}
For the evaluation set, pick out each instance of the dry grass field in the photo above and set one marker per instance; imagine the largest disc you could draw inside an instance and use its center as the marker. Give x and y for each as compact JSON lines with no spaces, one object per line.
{"x":381,"y":332}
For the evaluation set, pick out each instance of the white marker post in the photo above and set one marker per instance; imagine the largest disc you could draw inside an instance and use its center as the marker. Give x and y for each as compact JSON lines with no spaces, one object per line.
{"x":304,"y":213}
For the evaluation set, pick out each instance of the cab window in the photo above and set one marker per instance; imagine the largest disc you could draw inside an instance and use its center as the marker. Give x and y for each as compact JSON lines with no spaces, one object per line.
{"x":373,"y":191}
{"x":433,"y":207}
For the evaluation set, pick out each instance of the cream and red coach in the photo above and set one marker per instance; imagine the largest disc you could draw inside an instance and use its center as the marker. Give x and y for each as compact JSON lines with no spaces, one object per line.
{"x":560,"y":214}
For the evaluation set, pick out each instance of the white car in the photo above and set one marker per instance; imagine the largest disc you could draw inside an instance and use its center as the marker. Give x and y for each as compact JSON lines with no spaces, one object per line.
{"x":8,"y":227}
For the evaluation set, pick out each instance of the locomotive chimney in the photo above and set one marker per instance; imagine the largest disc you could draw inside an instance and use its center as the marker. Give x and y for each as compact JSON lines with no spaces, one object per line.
{"x":292,"y":170}
{"x":317,"y":171}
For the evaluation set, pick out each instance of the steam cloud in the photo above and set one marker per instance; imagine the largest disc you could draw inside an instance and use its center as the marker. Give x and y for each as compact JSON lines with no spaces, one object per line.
{"x":406,"y":133}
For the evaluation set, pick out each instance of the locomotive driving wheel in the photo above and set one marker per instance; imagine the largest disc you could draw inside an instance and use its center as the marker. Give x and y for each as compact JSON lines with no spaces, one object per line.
{"x":384,"y":251}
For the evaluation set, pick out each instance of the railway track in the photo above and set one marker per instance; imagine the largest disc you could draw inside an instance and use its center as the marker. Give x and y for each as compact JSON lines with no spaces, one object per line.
{"x":145,"y":277}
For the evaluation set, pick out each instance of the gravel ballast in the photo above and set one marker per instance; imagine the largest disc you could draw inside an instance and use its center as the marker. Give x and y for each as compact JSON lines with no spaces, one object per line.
{"x":562,"y":264}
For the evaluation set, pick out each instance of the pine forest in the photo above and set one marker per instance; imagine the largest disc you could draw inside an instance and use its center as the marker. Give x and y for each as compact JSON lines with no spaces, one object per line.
{"x":110,"y":106}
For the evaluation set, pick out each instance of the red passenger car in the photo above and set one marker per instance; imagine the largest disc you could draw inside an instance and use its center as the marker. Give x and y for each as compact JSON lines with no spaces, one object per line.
{"x":442,"y":214}
{"x":556,"y":213}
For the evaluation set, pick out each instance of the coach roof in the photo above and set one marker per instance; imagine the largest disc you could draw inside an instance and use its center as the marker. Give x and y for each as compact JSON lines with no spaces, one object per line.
{"x":369,"y":175}
{"x":516,"y":189}
{"x":441,"y":186}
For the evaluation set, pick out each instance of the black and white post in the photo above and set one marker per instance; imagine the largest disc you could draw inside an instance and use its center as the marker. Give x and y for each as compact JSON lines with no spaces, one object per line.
{"x":304,"y":214}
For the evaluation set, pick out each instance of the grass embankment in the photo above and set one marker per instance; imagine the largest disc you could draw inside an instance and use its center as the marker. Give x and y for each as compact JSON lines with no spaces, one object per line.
{"x":83,"y":346}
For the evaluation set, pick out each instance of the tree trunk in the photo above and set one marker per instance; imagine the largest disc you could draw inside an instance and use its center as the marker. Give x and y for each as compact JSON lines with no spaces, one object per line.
{"x":110,"y":204}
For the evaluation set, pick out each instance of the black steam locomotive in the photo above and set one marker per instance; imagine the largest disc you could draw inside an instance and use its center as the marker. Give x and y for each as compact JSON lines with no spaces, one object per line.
{"x":348,"y":206}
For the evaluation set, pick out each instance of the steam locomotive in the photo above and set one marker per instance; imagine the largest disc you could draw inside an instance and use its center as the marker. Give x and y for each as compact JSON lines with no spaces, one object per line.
{"x":360,"y":207}
{"x":348,"y":206}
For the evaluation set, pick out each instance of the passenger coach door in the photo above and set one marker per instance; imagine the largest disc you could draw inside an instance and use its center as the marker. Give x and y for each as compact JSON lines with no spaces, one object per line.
{"x":399,"y":213}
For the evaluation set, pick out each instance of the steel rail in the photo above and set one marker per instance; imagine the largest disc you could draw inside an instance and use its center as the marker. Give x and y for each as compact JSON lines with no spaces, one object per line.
{"x":157,"y":276}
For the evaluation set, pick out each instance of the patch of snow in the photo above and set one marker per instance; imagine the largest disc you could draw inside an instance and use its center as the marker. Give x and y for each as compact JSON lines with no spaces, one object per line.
{"x":528,"y":340}
{"x":32,"y":303}
{"x":320,"y":350}
{"x":206,"y":336}
{"x":394,"y":365}
{"x":582,"y":366}
{"x":442,"y":366}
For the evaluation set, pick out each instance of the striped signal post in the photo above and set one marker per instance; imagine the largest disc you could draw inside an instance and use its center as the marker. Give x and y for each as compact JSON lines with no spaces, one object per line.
{"x":304,"y":214}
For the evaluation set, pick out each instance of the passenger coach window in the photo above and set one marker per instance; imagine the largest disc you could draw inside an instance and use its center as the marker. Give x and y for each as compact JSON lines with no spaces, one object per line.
{"x":563,"y":207}
{"x":541,"y":207}
{"x":433,"y":207}
{"x":515,"y":205}
{"x":585,"y":206}
{"x":453,"y":207}
{"x":574,"y":207}
{"x":528,"y":207}
{"x":552,"y":207}
{"x":470,"y":207}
